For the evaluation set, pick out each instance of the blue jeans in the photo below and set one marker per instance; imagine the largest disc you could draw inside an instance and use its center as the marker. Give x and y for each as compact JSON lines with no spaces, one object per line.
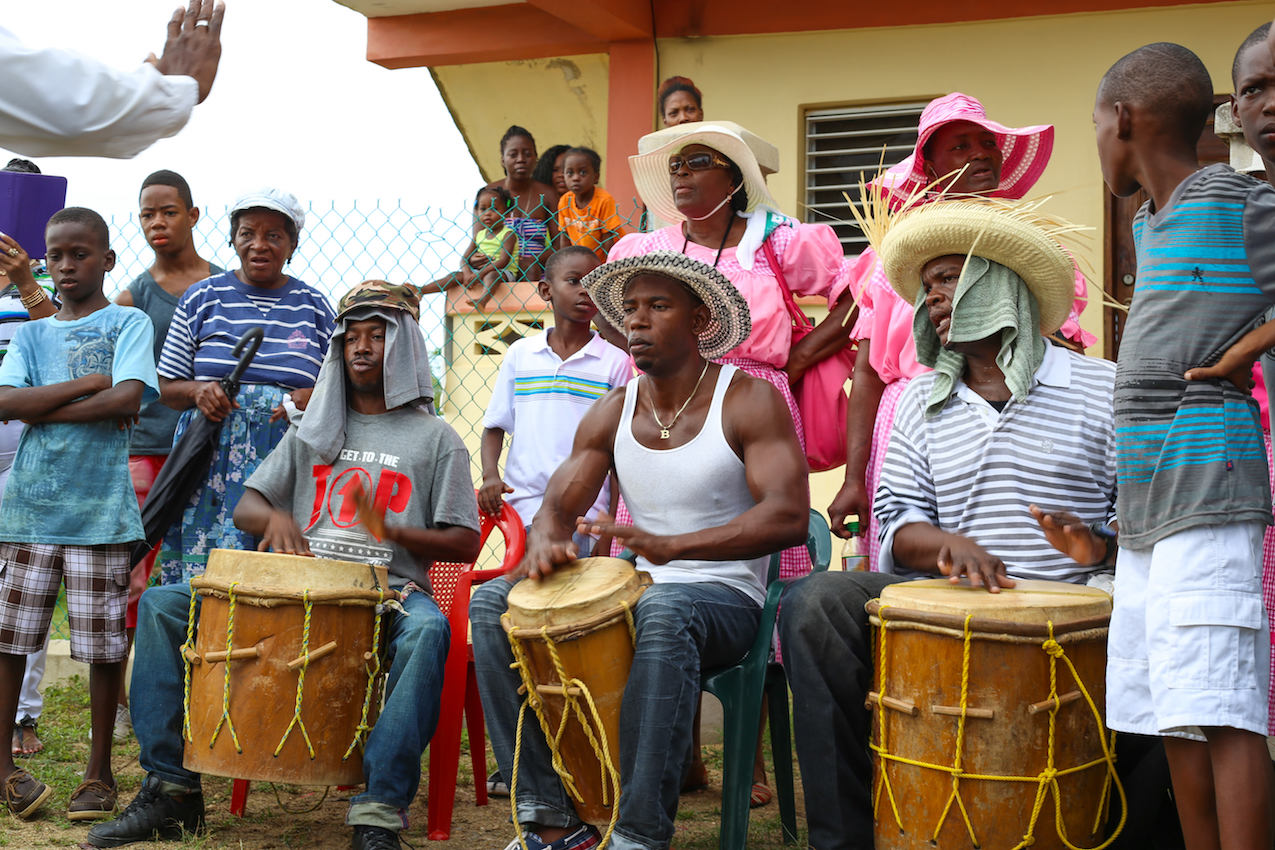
{"x":418,"y":642}
{"x":681,"y":629}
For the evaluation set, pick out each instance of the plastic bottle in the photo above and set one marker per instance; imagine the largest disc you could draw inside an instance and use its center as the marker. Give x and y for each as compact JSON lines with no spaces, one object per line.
{"x":854,"y":552}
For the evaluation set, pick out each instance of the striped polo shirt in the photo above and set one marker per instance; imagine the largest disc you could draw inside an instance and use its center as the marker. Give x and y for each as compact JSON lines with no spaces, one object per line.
{"x":214,"y":314}
{"x":539,"y":399}
{"x":1191,"y":453}
{"x":972,"y":471}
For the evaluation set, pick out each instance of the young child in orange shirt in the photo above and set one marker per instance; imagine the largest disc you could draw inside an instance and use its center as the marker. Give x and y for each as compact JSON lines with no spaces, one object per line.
{"x":586,"y":213}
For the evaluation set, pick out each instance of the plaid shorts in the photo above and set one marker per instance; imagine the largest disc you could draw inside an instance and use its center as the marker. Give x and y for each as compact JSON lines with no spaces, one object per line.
{"x":96,"y":594}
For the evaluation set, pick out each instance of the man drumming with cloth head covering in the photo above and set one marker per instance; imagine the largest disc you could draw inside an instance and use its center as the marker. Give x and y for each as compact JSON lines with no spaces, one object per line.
{"x":709,"y":464}
{"x":1006,"y":428}
{"x":373,"y":396}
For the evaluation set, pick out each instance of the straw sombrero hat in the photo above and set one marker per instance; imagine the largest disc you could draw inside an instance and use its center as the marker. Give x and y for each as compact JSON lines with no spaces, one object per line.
{"x":1015,"y":235}
{"x":755,"y":157}
{"x":729,"y":320}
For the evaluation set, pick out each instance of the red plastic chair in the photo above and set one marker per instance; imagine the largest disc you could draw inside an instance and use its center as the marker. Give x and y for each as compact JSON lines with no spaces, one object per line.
{"x":452,"y":585}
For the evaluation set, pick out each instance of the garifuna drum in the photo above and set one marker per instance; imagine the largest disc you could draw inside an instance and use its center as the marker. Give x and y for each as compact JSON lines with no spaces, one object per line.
{"x":284,"y":678}
{"x":988,"y":716}
{"x":572,"y":638}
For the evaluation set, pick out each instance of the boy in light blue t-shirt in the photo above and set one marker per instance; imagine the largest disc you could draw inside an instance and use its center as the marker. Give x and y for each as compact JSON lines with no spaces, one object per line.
{"x":78,"y":379}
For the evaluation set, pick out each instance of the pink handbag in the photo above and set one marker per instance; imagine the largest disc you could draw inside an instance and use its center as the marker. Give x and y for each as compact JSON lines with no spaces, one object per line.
{"x":820,"y":393}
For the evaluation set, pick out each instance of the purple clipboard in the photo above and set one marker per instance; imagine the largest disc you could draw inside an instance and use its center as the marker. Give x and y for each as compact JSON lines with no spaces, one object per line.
{"x":27,"y":202}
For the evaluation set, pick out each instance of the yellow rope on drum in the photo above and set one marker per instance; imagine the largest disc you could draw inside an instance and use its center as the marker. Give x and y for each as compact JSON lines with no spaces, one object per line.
{"x":305,"y":662}
{"x":373,"y":670}
{"x":573,"y":689}
{"x":225,"y":688}
{"x":1046,"y":781}
{"x":187,"y":650}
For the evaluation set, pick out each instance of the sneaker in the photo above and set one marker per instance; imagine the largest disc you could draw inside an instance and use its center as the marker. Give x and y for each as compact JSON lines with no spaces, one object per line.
{"x":93,"y":800}
{"x":152,"y":815}
{"x":583,"y":838}
{"x":123,"y":723}
{"x":24,"y":794}
{"x":374,"y":838}
{"x":496,"y":786}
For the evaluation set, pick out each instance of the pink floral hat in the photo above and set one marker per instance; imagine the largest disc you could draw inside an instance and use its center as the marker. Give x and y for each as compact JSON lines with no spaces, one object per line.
{"x":1025,"y":150}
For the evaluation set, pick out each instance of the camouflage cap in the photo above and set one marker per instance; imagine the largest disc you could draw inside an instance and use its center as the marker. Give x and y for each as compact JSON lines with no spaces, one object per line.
{"x":380,"y":293}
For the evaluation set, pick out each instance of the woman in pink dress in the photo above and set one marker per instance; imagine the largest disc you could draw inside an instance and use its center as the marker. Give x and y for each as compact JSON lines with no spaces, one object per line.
{"x":708,"y":178}
{"x":954,"y":134}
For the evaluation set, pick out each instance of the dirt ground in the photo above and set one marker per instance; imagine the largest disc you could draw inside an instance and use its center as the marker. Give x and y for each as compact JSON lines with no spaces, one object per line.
{"x":295,"y":817}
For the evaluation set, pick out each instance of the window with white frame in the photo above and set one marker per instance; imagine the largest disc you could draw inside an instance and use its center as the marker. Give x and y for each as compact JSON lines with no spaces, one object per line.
{"x":842,"y":144}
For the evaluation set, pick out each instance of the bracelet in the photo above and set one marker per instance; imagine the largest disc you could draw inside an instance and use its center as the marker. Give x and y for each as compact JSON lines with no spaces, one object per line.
{"x":1108,"y":536}
{"x":35,"y":299}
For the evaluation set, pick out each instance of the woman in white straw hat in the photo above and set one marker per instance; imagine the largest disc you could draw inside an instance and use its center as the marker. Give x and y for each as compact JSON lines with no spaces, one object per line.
{"x":959,"y":151}
{"x":265,"y":228}
{"x":708,"y":177}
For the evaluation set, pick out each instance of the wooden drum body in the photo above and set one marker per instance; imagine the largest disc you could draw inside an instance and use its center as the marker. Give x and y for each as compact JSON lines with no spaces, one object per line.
{"x":572,"y":633}
{"x":304,"y":663}
{"x":1007,"y":734}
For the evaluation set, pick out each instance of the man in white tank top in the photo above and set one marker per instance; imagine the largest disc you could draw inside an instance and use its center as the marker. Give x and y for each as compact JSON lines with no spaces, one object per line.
{"x":710,"y":467}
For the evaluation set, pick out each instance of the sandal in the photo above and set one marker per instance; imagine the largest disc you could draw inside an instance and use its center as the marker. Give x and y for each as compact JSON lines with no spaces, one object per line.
{"x":25,"y":740}
{"x":761,"y":795}
{"x":92,"y":800}
{"x":24,"y":794}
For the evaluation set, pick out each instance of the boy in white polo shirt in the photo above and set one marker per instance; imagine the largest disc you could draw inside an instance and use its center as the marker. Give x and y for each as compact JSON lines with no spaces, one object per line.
{"x":545,"y":385}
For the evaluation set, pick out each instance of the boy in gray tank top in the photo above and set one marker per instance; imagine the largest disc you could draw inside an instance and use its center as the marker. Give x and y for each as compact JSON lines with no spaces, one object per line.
{"x":710,"y":466}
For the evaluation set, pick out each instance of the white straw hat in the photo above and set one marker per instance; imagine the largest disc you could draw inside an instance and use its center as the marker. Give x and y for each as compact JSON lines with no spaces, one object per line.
{"x":272,"y":199}
{"x":755,"y":157}
{"x":729,"y":320}
{"x":1016,"y":236}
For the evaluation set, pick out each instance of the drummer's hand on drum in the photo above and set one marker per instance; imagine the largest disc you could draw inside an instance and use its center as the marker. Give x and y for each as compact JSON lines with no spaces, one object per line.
{"x":959,"y":556}
{"x":1070,"y":535}
{"x":544,"y":555}
{"x":211,"y":400}
{"x":657,"y":549}
{"x":283,"y":535}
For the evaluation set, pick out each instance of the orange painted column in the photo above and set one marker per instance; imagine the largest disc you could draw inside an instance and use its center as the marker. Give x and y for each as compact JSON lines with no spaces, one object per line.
{"x":630,"y":115}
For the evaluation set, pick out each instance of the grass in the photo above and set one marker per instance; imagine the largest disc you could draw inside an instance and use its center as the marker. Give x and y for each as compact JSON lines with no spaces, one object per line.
{"x":277,"y":816}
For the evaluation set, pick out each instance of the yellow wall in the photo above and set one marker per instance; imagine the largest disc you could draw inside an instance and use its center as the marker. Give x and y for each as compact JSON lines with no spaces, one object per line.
{"x":561,"y":101}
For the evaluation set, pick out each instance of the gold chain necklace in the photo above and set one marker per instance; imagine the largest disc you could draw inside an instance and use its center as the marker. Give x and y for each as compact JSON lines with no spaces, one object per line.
{"x":664,"y":429}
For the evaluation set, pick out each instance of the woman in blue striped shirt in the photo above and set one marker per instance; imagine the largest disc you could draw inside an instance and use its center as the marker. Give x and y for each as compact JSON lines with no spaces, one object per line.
{"x":210,"y":319}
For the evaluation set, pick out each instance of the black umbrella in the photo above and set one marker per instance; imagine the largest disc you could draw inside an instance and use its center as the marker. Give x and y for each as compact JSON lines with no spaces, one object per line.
{"x":186,"y":469}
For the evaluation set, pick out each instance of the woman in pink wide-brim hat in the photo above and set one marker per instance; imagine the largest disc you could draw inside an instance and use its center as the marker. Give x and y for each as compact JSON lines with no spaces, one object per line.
{"x":959,"y":152}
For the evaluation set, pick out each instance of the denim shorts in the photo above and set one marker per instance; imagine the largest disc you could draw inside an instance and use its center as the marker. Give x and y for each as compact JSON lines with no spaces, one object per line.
{"x":1188,"y":645}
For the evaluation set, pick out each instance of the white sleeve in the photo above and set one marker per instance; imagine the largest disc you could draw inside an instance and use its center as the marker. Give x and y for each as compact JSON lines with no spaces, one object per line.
{"x":58,"y":103}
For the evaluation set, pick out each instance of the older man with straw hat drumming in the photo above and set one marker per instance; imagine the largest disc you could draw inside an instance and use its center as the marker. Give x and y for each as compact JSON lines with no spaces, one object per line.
{"x":708,"y":461}
{"x":1001,"y":463}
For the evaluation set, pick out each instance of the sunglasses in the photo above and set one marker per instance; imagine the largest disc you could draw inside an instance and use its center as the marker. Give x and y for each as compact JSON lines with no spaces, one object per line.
{"x":702,"y":161}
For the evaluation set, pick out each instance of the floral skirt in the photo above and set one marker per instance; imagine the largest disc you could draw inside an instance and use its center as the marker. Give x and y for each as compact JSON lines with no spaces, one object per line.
{"x":247,"y":436}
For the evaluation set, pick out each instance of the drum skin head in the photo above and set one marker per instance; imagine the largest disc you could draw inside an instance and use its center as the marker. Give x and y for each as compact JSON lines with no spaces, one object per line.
{"x":268,"y":569}
{"x":1028,"y":602}
{"x":578,"y":591}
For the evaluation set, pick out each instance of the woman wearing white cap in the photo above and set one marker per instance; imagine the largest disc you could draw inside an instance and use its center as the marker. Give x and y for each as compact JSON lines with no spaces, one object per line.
{"x":708,"y":178}
{"x":265,"y":227}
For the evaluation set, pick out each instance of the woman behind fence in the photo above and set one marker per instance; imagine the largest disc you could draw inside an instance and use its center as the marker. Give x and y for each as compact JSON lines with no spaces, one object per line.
{"x":534,"y":217}
{"x":265,"y":227}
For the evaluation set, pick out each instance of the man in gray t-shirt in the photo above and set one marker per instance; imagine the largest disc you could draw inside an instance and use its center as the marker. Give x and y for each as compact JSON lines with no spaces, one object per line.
{"x":368,"y":427}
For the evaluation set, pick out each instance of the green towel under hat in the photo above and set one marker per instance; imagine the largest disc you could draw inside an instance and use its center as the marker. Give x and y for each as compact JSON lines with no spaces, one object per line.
{"x":989,"y":298}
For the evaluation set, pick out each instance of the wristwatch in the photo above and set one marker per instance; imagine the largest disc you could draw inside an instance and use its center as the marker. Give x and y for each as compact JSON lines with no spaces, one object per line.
{"x":1108,"y":536}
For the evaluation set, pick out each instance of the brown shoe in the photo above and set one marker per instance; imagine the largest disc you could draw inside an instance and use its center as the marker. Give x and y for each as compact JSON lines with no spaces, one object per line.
{"x":23,"y":793}
{"x":93,"y":800}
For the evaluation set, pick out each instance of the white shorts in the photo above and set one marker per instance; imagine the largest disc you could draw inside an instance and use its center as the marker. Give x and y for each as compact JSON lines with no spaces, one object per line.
{"x":1188,"y":645}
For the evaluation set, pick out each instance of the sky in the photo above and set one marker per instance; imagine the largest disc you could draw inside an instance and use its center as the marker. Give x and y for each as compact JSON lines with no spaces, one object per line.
{"x":296,"y":105}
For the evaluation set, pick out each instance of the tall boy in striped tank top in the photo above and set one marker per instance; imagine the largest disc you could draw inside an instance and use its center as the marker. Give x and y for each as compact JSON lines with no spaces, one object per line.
{"x":1188,"y":646}
{"x":710,"y":467}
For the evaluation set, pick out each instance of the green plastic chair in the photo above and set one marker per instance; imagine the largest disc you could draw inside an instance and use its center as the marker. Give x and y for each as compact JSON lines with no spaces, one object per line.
{"x":740,"y":689}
